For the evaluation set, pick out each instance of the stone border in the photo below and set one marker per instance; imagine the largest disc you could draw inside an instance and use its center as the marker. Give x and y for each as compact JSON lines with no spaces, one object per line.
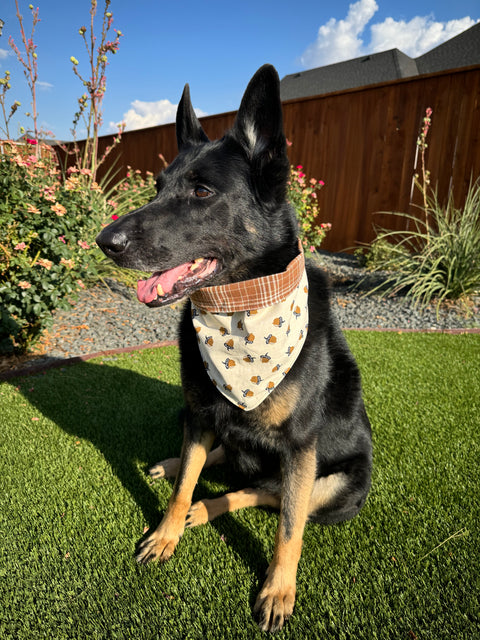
{"x":65,"y":362}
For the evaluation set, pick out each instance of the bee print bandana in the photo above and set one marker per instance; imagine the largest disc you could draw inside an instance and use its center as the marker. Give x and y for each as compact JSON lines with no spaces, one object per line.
{"x":250,"y":333}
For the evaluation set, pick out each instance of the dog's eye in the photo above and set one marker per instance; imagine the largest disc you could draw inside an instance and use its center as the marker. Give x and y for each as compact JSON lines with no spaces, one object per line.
{"x":202,"y":192}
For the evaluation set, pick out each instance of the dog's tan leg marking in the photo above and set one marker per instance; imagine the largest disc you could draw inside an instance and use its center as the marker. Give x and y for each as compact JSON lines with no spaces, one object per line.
{"x":169,"y":468}
{"x":205,"y":510}
{"x":325,"y":490}
{"x":276,"y":599}
{"x":161,"y":544}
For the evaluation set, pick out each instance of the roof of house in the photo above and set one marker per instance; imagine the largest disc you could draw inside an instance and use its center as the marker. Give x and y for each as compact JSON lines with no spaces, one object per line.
{"x":461,"y":51}
{"x":377,"y":67}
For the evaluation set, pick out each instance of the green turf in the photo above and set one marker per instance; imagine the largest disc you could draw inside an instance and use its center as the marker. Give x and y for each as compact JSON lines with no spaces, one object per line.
{"x":75,"y":445}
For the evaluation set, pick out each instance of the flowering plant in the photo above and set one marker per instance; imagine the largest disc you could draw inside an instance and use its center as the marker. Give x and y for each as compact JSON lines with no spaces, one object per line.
{"x":47,"y":231}
{"x":303,"y":196}
{"x":95,"y":83}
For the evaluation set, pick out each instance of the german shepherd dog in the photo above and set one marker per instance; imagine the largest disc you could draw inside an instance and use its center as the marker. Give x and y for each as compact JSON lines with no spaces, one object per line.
{"x":220,"y":217}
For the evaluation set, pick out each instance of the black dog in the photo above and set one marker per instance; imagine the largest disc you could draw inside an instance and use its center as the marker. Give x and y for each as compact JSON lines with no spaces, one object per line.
{"x":221,"y":232}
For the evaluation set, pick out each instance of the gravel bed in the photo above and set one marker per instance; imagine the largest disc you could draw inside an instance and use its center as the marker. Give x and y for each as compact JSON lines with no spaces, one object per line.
{"x":112,"y":318}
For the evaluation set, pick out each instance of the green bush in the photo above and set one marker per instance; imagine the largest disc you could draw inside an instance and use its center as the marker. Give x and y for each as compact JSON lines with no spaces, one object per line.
{"x":48,"y":225}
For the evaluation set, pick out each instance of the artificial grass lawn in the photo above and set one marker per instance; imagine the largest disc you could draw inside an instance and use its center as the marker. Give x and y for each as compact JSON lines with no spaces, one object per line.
{"x":75,"y":447}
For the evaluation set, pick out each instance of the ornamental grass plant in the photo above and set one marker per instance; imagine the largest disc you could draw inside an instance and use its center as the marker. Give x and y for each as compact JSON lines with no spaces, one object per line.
{"x":437,"y":257}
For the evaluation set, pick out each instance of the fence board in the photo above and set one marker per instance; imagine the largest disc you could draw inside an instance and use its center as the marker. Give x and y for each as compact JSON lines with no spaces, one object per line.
{"x":362,"y":143}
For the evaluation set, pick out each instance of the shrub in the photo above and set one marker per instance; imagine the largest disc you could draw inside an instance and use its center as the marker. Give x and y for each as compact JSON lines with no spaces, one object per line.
{"x":438,"y":257}
{"x":303,"y":197}
{"x":47,"y":231}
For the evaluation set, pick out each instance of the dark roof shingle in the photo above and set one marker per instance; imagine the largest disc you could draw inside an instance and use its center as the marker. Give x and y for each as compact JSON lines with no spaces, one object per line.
{"x":460,"y":51}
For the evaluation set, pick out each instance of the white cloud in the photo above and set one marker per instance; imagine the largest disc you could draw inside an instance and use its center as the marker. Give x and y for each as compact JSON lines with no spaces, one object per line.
{"x":4,"y":53}
{"x":44,"y":85}
{"x":340,"y":39}
{"x":417,"y":36}
{"x":345,"y":39}
{"x":149,"y":114}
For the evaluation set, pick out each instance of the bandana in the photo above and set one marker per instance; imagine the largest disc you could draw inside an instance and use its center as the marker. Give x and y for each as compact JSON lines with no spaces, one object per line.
{"x":250,"y":333}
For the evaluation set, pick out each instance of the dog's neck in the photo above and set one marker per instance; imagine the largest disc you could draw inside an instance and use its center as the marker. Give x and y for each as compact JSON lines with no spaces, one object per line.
{"x":252,"y":294}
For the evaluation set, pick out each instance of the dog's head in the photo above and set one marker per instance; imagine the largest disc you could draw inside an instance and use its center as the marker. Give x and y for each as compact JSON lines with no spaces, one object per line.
{"x":220,"y":214}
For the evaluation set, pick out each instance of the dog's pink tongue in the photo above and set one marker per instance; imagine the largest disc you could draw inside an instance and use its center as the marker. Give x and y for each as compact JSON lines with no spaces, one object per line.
{"x":147,"y":289}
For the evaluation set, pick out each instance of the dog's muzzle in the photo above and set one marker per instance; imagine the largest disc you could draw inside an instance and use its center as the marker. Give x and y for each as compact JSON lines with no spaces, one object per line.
{"x":112,"y":243}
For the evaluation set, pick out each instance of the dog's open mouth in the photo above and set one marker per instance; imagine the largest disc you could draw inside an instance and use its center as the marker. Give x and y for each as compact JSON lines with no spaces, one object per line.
{"x":164,"y":287}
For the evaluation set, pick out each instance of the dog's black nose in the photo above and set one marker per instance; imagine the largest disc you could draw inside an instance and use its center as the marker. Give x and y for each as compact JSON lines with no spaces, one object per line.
{"x":112,"y":243}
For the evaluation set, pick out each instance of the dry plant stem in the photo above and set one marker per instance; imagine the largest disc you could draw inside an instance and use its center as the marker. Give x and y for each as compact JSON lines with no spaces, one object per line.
{"x":96,"y":86}
{"x":30,"y":65}
{"x":422,"y":145}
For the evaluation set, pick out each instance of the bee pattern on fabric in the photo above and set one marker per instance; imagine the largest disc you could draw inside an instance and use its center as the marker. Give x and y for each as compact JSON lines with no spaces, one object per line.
{"x":251,"y":373}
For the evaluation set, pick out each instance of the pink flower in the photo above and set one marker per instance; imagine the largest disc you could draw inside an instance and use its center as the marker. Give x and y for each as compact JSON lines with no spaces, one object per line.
{"x":312,"y":249}
{"x":112,"y":203}
{"x":289,"y":144}
{"x":114,"y":217}
{"x":80,"y":284}
{"x":62,"y":239}
{"x":83,"y":245}
{"x":299,"y":166}
{"x":20,"y":246}
{"x":31,"y":141}
{"x":24,"y":285}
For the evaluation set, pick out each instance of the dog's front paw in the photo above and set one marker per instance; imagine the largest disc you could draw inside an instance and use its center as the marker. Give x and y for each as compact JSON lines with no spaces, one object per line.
{"x":274,"y":605}
{"x":157,"y":546}
{"x":166,"y":469}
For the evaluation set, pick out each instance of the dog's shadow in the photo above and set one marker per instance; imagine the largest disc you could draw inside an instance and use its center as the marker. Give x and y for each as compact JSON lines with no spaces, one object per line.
{"x":134,"y":421}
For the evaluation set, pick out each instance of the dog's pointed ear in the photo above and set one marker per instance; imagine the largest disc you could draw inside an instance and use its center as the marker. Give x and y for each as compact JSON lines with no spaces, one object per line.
{"x":188,"y":127}
{"x":259,"y":122}
{"x":259,"y":129}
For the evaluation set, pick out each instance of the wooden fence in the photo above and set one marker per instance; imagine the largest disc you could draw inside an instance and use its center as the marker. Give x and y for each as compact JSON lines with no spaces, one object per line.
{"x":362,"y":144}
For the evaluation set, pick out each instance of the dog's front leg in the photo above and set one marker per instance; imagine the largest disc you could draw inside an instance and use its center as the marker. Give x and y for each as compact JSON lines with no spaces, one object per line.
{"x":161,"y":544}
{"x":276,"y":599}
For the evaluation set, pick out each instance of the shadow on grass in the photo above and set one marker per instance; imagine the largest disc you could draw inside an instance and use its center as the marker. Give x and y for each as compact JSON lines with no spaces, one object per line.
{"x":128,"y":417}
{"x":134,"y":421}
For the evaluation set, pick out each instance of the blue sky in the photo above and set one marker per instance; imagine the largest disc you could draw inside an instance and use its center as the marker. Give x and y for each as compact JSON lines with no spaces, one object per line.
{"x":213,"y":45}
